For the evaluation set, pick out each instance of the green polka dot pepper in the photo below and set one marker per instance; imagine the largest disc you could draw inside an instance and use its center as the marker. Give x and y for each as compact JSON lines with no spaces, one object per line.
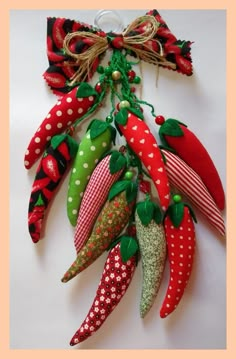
{"x":89,"y":153}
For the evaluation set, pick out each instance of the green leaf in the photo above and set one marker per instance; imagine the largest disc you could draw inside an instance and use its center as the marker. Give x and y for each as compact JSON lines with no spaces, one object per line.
{"x":57,"y":140}
{"x":171,"y":127}
{"x":128,"y":247}
{"x":117,"y":162}
{"x":145,"y":211}
{"x":131,"y":191}
{"x":191,"y":212}
{"x":136,"y":112}
{"x":157,"y":215}
{"x":85,"y":90}
{"x":176,"y":213}
{"x":73,"y":146}
{"x":122,"y":117}
{"x":113,"y":134}
{"x":117,"y":188}
{"x":97,"y":128}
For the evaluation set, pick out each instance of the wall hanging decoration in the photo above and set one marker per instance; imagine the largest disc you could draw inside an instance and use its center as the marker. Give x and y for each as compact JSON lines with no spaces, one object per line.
{"x":130,"y":200}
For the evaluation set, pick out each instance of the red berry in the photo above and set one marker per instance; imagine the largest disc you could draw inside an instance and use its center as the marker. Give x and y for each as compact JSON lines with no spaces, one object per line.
{"x":160,"y":120}
{"x":145,"y":186}
{"x":131,"y":75}
{"x":98,"y":87}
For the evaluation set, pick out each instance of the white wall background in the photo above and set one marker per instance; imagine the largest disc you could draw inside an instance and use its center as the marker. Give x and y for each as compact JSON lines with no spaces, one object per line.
{"x":45,"y":313}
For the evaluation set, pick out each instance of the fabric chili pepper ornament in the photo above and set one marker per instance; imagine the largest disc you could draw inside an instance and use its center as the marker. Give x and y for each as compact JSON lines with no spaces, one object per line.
{"x":152,"y":246}
{"x":189,"y":183}
{"x":177,"y":136}
{"x":93,"y":145}
{"x":112,"y":219}
{"x":180,"y":238}
{"x":49,"y":174}
{"x":106,"y":173}
{"x":116,"y":277}
{"x":68,"y":111}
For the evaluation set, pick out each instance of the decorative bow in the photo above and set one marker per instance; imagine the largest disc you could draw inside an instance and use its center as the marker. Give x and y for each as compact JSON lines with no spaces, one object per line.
{"x":75,"y":49}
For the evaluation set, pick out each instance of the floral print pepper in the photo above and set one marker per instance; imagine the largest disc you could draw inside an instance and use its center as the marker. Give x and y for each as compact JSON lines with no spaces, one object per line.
{"x":50,"y":171}
{"x":152,"y":246}
{"x":111,"y":221}
{"x":116,"y":277}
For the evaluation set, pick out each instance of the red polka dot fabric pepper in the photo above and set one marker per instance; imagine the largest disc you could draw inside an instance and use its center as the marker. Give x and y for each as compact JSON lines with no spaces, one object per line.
{"x":180,"y":238}
{"x":67,"y":110}
{"x":143,"y":143}
{"x":115,"y":280}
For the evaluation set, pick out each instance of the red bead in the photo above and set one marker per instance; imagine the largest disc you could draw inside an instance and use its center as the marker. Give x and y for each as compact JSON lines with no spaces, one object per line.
{"x":132,"y":89}
{"x":160,"y":120}
{"x":131,"y":75}
{"x":98,"y":87}
{"x":144,"y":186}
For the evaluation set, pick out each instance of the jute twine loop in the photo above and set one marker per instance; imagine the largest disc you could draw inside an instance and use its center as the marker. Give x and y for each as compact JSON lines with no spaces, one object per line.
{"x":100,"y":44}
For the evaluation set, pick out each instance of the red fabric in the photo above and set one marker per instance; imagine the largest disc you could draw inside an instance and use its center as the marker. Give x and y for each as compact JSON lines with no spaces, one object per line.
{"x":114,"y":283}
{"x":94,"y":197}
{"x":67,"y":110}
{"x":192,"y":151}
{"x":143,"y":143}
{"x":181,"y":247}
{"x":188,"y":182}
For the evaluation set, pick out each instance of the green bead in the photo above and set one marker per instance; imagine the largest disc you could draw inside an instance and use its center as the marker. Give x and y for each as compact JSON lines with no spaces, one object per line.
{"x":128,"y":66}
{"x":137,"y":80}
{"x":109,"y":119}
{"x":128,"y":175}
{"x":177,"y":198}
{"x":100,"y":69}
{"x":108,"y":70}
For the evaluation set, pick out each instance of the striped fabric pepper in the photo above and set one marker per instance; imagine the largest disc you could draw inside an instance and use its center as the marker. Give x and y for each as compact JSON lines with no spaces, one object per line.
{"x":188,"y":147}
{"x":189,"y":183}
{"x":94,"y":198}
{"x":111,"y":221}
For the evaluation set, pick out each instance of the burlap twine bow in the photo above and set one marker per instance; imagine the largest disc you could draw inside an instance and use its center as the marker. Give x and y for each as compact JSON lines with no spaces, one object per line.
{"x":137,"y":44}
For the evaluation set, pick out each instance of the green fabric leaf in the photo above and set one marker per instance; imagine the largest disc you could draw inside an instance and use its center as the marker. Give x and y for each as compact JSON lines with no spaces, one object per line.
{"x":122,"y":117}
{"x":136,"y":112}
{"x":171,"y":127}
{"x":191,"y":212}
{"x":97,"y":128}
{"x":117,"y":188}
{"x":157,"y":215}
{"x":176,"y":213}
{"x":117,"y":162}
{"x":113,"y":134}
{"x":128,"y":247}
{"x":145,"y":211}
{"x":131,"y":191}
{"x":73,"y":146}
{"x":57,"y":140}
{"x":85,"y":90}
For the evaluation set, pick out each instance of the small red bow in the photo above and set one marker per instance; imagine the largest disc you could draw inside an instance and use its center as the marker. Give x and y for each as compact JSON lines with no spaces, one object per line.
{"x":147,"y":38}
